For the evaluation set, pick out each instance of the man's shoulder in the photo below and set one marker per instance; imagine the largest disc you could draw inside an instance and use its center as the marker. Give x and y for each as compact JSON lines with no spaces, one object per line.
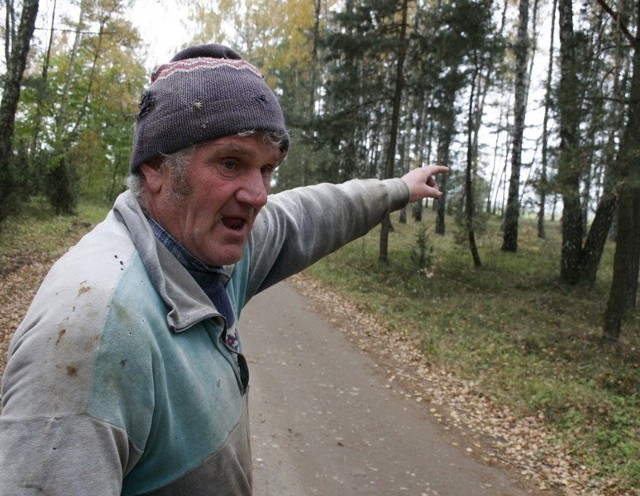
{"x":82,"y":286}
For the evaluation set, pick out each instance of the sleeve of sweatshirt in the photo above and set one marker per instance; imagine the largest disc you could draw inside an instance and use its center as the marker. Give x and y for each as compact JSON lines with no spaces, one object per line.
{"x":298,"y":227}
{"x":53,"y":440}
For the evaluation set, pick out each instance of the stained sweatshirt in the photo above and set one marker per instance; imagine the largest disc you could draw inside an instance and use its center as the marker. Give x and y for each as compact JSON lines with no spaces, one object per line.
{"x":125,"y":378}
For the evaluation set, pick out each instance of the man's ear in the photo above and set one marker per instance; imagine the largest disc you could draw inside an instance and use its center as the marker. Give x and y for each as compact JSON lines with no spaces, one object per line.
{"x":154,"y":175}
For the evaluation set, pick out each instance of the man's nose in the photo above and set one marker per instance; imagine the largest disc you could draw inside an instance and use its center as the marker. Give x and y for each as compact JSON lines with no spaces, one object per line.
{"x":254,"y":191}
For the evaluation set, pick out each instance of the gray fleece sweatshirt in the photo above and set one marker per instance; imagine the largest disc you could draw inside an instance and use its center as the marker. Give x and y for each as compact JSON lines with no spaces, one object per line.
{"x":120,"y":379}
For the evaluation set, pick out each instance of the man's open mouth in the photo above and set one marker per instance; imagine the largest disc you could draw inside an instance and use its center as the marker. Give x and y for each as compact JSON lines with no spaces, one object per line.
{"x":235,"y":223}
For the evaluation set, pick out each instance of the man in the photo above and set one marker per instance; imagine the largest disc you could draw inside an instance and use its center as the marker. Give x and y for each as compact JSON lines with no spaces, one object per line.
{"x":127,"y":375}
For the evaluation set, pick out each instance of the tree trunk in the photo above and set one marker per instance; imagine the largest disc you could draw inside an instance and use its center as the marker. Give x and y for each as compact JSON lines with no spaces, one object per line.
{"x":445,"y":136}
{"x":9,"y":27}
{"x":607,"y":203}
{"x":446,"y":130}
{"x":597,"y":237}
{"x":313,"y":87}
{"x":543,"y":186}
{"x":40,"y":98}
{"x":59,"y":176}
{"x":468,"y":183}
{"x":626,"y":264}
{"x":622,"y":296}
{"x":16,"y":64}
{"x":393,"y":137}
{"x":512,"y":215}
{"x":494,"y":173}
{"x":568,"y":167}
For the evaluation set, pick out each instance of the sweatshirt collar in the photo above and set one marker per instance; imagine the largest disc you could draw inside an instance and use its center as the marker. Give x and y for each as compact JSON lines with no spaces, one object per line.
{"x":187,"y":302}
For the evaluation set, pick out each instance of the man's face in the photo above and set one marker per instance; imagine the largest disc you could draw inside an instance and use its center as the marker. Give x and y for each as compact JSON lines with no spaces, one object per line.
{"x":227,"y":184}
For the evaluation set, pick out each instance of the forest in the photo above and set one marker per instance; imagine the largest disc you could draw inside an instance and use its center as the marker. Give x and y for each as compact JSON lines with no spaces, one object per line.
{"x":534,"y":105}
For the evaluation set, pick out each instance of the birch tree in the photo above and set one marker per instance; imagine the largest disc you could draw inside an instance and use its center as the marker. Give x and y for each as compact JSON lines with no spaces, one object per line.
{"x":543,"y":181}
{"x":569,"y":169}
{"x":510,"y":238}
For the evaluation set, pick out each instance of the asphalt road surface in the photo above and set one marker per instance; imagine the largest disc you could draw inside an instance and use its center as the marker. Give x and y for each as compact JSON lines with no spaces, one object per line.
{"x":325,"y":421}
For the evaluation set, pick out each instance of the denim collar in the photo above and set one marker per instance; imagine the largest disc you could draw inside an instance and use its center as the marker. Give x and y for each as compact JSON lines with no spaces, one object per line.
{"x":189,"y":262}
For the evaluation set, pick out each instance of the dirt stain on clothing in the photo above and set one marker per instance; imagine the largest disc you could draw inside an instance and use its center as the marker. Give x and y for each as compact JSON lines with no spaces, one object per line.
{"x":83,"y":290}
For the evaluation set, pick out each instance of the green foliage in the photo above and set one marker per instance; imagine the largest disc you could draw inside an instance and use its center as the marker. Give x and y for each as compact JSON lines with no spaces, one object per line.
{"x":422,"y":253}
{"x":59,"y":184}
{"x":76,"y":124}
{"x":456,"y":206}
{"x":14,"y":188}
{"x":360,"y":49}
{"x":526,"y":340}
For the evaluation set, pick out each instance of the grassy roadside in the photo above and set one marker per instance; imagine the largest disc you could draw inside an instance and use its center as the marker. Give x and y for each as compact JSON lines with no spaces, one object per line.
{"x":39,"y":233}
{"x":525,"y":340}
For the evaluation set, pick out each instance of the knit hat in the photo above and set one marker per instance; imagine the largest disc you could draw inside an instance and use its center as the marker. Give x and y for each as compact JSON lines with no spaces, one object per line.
{"x":205,"y":92}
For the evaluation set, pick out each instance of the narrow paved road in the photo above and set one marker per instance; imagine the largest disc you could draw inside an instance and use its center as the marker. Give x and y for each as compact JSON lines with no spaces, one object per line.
{"x":325,"y":421}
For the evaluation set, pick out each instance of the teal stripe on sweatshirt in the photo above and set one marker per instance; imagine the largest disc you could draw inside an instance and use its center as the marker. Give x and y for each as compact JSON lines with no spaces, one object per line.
{"x":176,"y":394}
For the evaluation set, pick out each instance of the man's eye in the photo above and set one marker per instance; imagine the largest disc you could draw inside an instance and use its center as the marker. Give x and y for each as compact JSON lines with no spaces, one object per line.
{"x":267,"y":170}
{"x":229,"y":168}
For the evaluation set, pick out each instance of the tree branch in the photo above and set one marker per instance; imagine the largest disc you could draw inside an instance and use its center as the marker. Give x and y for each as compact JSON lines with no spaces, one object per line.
{"x":621,"y":24}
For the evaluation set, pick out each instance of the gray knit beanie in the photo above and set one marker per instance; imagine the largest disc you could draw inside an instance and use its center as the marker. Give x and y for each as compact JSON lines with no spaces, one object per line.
{"x":205,"y":92}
